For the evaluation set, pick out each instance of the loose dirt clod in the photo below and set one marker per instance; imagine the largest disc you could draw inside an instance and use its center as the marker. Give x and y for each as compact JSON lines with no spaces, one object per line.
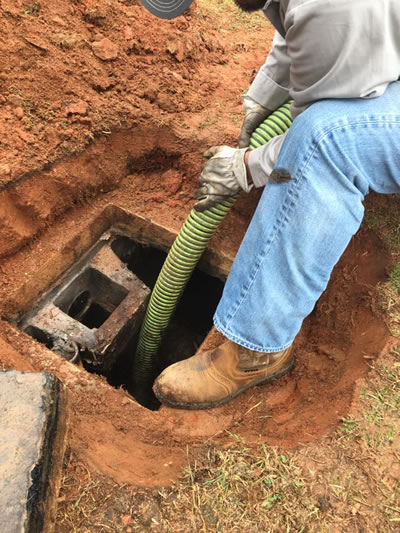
{"x":105,"y":49}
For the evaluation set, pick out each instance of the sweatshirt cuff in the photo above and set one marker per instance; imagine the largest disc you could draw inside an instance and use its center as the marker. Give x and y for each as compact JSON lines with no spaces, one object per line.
{"x":262,"y":160}
{"x":266,"y":92}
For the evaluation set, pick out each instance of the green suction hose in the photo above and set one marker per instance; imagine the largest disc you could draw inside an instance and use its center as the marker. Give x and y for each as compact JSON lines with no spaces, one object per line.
{"x":182,"y":259}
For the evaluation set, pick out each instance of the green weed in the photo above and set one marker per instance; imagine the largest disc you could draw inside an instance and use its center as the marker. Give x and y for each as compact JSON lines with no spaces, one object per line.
{"x":395,"y":277}
{"x":33,"y":9}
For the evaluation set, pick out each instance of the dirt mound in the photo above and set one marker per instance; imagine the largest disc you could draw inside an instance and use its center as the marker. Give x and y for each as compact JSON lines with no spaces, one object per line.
{"x":73,"y":74}
{"x":74,"y":71}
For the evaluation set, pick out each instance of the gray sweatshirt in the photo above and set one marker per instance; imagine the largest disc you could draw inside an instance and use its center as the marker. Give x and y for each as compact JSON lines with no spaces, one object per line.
{"x":324,"y":49}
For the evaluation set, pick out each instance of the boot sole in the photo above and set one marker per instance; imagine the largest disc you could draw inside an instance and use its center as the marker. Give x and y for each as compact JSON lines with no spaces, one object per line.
{"x":208,"y":405}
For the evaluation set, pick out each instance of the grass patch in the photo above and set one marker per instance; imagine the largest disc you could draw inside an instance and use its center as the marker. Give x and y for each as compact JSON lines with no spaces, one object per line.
{"x":395,"y":277}
{"x":386,"y":220}
{"x":389,"y":300}
{"x":372,"y":438}
{"x":242,"y":488}
{"x":226,"y":10}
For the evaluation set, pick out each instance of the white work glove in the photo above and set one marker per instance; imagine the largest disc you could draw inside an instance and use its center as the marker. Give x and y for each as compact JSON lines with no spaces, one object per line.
{"x":254,"y":115}
{"x":223,"y":176}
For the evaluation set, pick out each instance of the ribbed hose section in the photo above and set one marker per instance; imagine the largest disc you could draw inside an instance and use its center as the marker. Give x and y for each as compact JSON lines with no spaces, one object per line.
{"x":182,"y":259}
{"x":175,"y":273}
{"x":276,"y":124}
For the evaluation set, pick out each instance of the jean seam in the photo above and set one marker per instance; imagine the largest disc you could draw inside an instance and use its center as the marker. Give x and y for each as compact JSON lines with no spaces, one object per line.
{"x":350,"y":125}
{"x":237,"y":340}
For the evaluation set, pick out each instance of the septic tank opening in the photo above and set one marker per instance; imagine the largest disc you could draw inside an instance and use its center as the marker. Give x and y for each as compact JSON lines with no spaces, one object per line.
{"x":91,"y":298}
{"x":190,"y":324}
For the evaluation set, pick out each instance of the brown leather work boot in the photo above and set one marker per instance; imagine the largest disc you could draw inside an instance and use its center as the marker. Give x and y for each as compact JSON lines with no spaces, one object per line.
{"x":214,"y":377}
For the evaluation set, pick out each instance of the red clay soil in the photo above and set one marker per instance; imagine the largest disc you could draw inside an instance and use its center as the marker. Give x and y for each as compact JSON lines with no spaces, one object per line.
{"x":76,"y":75}
{"x":104,"y":113}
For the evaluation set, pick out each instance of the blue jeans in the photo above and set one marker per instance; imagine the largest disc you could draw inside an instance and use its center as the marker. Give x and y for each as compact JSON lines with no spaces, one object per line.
{"x":336,"y":151}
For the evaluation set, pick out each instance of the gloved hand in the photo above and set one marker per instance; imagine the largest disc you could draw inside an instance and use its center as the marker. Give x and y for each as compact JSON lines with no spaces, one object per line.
{"x":223,"y":176}
{"x":254,"y":115}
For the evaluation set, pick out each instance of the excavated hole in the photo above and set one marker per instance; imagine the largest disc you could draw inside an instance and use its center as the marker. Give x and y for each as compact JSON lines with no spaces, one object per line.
{"x":91,"y":298}
{"x":334,"y":348}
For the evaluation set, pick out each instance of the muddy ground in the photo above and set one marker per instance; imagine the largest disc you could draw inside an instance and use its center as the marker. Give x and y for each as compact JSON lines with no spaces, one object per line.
{"x":104,"y":114}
